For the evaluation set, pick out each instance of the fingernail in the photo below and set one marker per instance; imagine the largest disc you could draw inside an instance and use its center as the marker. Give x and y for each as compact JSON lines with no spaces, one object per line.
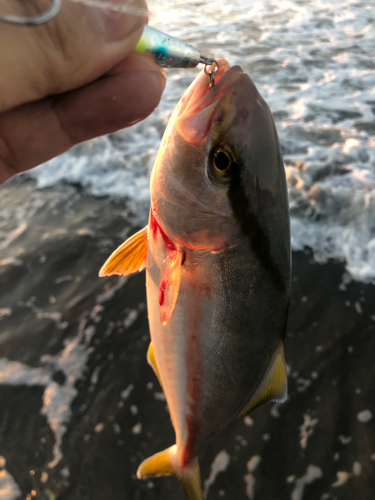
{"x":117,"y":25}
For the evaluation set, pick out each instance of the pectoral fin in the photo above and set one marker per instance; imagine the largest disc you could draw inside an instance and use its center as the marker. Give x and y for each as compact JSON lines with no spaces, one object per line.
{"x":170,"y":280}
{"x":273,"y":386}
{"x":128,"y":257}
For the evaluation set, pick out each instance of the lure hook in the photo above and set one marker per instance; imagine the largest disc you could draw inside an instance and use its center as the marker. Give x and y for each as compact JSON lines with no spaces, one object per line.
{"x":211,"y":74}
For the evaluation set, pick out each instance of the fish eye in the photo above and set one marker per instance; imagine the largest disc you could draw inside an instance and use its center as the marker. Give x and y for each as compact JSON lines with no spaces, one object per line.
{"x":222,"y":163}
{"x":221,"y":160}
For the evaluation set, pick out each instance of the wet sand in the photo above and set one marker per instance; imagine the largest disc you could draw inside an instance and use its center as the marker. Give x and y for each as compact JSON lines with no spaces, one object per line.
{"x":80,"y":407}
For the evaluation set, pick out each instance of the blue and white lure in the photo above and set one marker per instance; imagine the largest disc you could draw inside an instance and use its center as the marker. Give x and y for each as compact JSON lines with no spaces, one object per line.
{"x":170,"y":52}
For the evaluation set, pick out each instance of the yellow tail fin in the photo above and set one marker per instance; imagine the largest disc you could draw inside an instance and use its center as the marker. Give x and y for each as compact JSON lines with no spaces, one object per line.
{"x":164,"y":463}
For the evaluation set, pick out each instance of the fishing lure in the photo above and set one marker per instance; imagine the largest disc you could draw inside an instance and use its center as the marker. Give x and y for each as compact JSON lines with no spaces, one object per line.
{"x":170,"y":52}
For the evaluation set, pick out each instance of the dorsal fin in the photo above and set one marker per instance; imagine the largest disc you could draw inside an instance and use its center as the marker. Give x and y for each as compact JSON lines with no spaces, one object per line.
{"x":273,"y":386}
{"x":128,"y":257}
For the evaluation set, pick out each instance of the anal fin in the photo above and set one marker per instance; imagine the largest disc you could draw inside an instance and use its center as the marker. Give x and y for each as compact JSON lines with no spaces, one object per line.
{"x":160,"y":464}
{"x":152,"y":361}
{"x":128,"y":257}
{"x":273,"y":386}
{"x":165,"y":463}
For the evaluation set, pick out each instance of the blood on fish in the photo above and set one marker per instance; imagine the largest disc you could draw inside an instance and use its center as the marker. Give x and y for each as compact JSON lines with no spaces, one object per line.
{"x":203,"y":288}
{"x":220,"y":248}
{"x":194,"y":367}
{"x":189,"y":449}
{"x":169,"y":243}
{"x":193,"y":351}
{"x":162,"y":288}
{"x":154,"y":226}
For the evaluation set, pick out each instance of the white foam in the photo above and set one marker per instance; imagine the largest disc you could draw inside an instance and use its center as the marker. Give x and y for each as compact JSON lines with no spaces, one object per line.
{"x":357,"y":469}
{"x":313,"y":472}
{"x":9,"y":489}
{"x":364,"y":416}
{"x":137,"y":429}
{"x":342,"y":478}
{"x":5,"y":312}
{"x":71,"y":360}
{"x":313,"y":63}
{"x":56,"y":398}
{"x":306,"y":429}
{"x":126,"y":392}
{"x":220,"y":464}
{"x":248,"y":421}
{"x":250,"y":485}
{"x":251,"y":465}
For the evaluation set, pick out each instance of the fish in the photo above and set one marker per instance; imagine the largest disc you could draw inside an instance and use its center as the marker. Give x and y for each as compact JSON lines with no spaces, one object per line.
{"x":216,"y":251}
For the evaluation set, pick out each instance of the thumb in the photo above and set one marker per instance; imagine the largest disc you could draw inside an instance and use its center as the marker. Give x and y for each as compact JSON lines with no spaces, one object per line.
{"x":76,"y":47}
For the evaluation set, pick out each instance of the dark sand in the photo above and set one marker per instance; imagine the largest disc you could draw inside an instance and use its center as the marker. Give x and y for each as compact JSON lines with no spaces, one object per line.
{"x":50,"y":292}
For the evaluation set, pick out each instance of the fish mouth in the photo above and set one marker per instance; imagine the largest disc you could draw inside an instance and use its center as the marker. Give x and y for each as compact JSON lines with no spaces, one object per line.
{"x":196,"y":112}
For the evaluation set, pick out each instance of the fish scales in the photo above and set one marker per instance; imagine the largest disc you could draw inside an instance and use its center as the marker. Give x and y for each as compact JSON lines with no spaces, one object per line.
{"x":217,"y":256}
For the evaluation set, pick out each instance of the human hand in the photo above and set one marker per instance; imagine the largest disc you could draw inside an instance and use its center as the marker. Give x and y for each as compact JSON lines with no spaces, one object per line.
{"x":69,"y":80}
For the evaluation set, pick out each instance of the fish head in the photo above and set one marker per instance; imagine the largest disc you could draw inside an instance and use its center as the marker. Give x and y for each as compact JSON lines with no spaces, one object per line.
{"x":219,"y":164}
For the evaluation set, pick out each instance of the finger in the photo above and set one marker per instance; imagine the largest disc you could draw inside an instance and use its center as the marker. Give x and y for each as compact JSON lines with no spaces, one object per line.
{"x":77,"y":46}
{"x":124,"y":97}
{"x":34,"y":133}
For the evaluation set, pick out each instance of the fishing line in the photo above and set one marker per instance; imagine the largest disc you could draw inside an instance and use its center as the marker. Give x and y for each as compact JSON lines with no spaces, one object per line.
{"x":115,"y":7}
{"x":122,"y":6}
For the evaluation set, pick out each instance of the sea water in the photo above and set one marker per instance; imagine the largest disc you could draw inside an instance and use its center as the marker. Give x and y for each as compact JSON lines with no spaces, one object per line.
{"x":314,"y":63}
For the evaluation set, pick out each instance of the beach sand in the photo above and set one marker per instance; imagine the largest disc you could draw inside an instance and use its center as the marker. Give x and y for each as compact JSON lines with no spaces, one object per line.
{"x":80,"y":408}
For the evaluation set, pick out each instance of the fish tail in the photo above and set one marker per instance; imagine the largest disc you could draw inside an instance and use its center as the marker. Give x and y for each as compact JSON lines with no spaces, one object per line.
{"x":165,"y":463}
{"x":191,"y":483}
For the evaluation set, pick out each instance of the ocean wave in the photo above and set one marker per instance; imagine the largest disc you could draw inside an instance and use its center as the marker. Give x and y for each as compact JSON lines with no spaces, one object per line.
{"x":314,"y":65}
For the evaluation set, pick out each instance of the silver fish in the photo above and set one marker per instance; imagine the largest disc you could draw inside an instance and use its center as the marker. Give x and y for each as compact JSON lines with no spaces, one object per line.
{"x":217,"y":256}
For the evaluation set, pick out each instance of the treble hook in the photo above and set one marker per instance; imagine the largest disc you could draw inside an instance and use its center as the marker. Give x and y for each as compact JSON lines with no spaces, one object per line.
{"x":210,"y":74}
